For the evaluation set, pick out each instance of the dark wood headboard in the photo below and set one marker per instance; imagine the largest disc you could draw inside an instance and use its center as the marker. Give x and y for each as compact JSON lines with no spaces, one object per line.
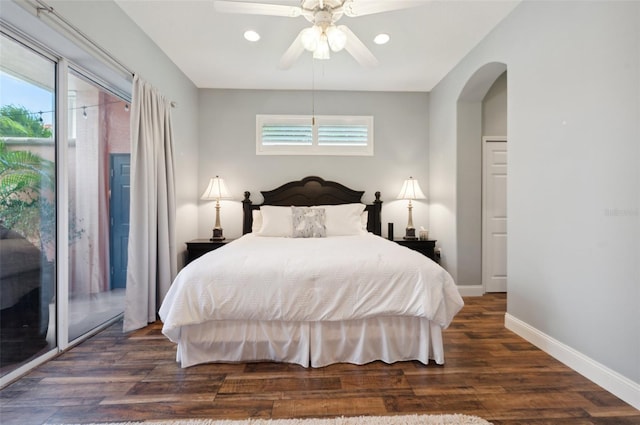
{"x":312,"y":191}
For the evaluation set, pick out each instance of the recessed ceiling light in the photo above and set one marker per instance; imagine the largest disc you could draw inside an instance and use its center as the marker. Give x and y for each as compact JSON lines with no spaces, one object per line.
{"x":251,"y":35}
{"x":381,"y":39}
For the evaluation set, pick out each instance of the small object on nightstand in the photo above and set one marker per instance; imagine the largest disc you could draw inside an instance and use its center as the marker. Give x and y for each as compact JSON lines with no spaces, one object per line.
{"x":390,"y":231}
{"x":424,"y":234}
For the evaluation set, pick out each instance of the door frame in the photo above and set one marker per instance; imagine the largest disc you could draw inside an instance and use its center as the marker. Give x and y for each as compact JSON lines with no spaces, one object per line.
{"x":485,"y":238}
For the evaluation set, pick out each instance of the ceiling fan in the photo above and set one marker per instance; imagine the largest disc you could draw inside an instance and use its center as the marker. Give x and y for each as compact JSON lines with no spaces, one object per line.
{"x":324,"y":35}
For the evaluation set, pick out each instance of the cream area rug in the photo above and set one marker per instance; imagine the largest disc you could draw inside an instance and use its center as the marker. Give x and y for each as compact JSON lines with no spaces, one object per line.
{"x":355,"y":420}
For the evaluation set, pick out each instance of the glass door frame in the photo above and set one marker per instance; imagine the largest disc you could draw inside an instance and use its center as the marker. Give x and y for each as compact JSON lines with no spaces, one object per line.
{"x":55,"y":350}
{"x":62,"y":68}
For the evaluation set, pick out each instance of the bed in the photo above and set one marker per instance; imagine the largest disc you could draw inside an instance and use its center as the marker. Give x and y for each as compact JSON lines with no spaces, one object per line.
{"x":310,"y":282}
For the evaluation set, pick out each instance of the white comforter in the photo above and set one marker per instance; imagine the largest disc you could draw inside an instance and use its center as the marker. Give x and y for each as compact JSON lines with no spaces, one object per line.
{"x":319,"y":279}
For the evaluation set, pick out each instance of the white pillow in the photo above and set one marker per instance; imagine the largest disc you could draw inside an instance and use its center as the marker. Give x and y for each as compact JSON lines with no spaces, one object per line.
{"x":364,"y":220}
{"x":344,"y":220}
{"x":276,"y":221}
{"x":256,"y":225}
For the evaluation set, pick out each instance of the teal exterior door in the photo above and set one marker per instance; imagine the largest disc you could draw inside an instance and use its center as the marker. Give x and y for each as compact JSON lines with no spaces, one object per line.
{"x":120,"y":164}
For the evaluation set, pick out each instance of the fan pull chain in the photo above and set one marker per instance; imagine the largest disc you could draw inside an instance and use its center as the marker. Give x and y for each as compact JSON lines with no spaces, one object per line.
{"x":313,"y":92}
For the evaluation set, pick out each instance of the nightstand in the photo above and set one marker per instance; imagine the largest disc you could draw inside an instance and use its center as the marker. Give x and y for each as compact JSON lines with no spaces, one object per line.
{"x":426,"y":248}
{"x":199,"y":247}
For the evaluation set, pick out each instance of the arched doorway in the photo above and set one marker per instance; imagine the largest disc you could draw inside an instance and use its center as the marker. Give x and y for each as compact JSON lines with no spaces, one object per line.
{"x":471,"y":128}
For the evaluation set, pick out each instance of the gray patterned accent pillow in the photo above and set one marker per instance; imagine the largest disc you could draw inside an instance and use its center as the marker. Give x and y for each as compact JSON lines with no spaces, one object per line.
{"x":308,"y":222}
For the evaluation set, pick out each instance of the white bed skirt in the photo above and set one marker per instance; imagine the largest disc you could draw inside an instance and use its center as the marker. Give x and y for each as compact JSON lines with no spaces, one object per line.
{"x":314,"y":344}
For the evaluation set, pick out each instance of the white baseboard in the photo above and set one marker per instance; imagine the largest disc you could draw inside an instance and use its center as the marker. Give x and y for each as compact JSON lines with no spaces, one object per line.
{"x":471,"y":290}
{"x":612,"y":381}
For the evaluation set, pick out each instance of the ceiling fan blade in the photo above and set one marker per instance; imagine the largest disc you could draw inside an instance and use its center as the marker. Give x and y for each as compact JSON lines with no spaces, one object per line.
{"x":354,"y":8}
{"x":357,"y":49}
{"x":293,"y":53}
{"x":226,"y":6}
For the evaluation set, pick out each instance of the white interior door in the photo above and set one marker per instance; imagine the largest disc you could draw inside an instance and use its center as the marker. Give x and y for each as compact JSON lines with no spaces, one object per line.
{"x":494,"y":214}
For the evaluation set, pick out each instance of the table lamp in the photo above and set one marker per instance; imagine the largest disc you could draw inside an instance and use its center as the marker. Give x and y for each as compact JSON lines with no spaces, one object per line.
{"x":411,"y":190}
{"x":215,"y":191}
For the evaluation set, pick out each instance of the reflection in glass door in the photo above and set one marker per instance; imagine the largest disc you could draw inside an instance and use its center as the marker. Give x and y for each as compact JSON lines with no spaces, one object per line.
{"x":98,"y":132}
{"x":27,"y":205}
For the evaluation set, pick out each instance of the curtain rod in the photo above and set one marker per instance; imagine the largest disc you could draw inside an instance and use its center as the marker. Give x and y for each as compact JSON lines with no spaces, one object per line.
{"x":51,"y":11}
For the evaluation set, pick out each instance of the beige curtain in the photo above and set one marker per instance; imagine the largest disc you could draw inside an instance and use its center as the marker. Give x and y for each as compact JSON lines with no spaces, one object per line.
{"x":152,"y":252}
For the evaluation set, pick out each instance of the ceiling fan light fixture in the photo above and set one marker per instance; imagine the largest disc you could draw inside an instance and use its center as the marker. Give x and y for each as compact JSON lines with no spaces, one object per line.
{"x":381,"y":38}
{"x":337,"y":39}
{"x":322,"y":51}
{"x":251,"y":35}
{"x":310,"y":38}
{"x":323,"y":36}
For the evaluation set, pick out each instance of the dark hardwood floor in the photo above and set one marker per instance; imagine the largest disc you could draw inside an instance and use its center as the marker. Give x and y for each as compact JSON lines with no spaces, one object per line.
{"x":489,"y":372}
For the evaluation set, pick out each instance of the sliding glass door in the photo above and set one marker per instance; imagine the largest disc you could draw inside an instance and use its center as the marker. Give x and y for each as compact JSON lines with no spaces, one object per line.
{"x":27,"y":205}
{"x":64,"y":206}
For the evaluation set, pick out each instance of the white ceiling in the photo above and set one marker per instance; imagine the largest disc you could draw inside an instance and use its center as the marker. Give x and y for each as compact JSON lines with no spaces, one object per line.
{"x":427,"y":41}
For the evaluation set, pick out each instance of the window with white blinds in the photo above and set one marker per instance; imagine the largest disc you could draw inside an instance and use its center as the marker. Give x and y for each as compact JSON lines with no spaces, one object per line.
{"x":319,"y":135}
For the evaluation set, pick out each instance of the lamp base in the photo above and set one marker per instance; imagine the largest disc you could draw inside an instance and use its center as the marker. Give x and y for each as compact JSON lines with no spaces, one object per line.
{"x":410,"y":234}
{"x":217,"y":235}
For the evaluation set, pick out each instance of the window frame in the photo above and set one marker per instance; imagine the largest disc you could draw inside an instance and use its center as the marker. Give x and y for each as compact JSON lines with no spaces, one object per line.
{"x":314,"y":121}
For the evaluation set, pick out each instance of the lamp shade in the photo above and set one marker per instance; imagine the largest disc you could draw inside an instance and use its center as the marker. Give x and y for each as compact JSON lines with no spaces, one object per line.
{"x":322,"y":50}
{"x":310,"y":37}
{"x":411,"y":190}
{"x":336,"y":38}
{"x":216,"y":190}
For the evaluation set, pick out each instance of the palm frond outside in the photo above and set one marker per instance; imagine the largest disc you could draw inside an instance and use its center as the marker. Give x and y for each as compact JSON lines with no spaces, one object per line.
{"x":26,"y":194}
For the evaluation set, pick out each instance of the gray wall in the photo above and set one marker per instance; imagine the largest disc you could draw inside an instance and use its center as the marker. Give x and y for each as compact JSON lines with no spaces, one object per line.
{"x":494,"y":109}
{"x":574,"y":186}
{"x":228,"y":140}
